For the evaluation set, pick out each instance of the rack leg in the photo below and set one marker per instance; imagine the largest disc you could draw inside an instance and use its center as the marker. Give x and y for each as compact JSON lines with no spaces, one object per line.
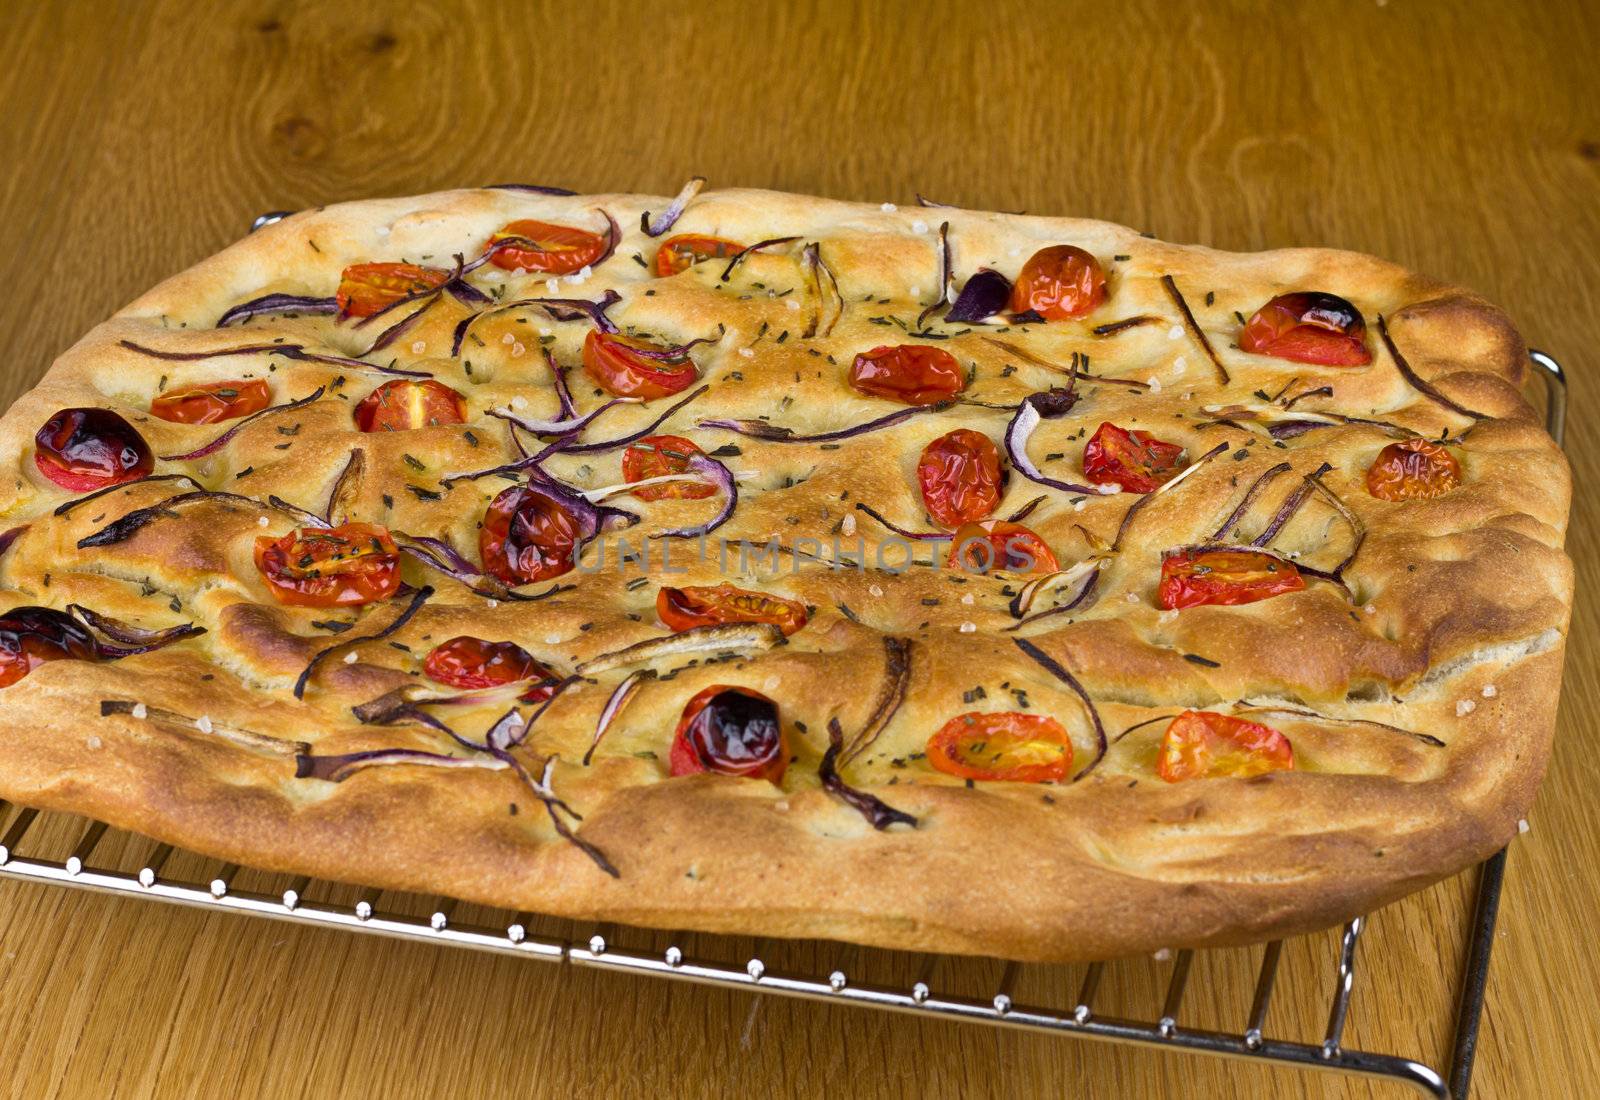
{"x":1469,"y":1011}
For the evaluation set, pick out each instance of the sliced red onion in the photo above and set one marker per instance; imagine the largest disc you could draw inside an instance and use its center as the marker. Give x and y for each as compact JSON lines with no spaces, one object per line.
{"x":1349,"y":517}
{"x":903,"y":532}
{"x":985,"y":295}
{"x":945,"y":275}
{"x":1246,"y":707}
{"x":1111,"y":328}
{"x":1034,"y":408}
{"x":467,"y":294}
{"x":879,"y":814}
{"x":558,"y":377}
{"x":1079,"y":598}
{"x":921,"y":201}
{"x":508,"y":730}
{"x":619,"y":699}
{"x":1193,"y":326}
{"x":124,"y":527}
{"x":220,"y":441}
{"x":288,"y":351}
{"x":891,"y":694}
{"x":561,"y":425}
{"x":812,"y":255}
{"x":1427,"y":389}
{"x":623,"y":441}
{"x":11,"y":536}
{"x":1291,"y":504}
{"x":1026,"y":510}
{"x":1054,"y":667}
{"x":128,"y":634}
{"x":76,"y":502}
{"x":248,"y":739}
{"x":276,"y":303}
{"x":531,"y":188}
{"x":300,"y":515}
{"x":1250,"y":495}
{"x":560,"y":309}
{"x":759,"y":246}
{"x":1166,"y":486}
{"x":654,"y":227}
{"x":719,"y":475}
{"x":1320,"y":391}
{"x":1074,"y":371}
{"x":441,"y":557}
{"x":730,"y":637}
{"x":672,"y":354}
{"x":400,"y":327}
{"x":346,"y":486}
{"x":418,"y":598}
{"x":613,"y":237}
{"x":772,"y":433}
{"x":546,"y":793}
{"x":336,"y":769}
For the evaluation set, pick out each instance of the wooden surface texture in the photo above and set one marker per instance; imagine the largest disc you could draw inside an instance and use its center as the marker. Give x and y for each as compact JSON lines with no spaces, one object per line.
{"x":1461,"y":139}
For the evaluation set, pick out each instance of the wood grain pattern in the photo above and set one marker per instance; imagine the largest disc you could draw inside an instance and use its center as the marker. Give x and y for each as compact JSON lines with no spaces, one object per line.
{"x":1459,"y":139}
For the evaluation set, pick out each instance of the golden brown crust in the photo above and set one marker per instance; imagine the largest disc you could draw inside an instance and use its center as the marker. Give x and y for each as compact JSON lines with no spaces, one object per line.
{"x":1453,"y":628}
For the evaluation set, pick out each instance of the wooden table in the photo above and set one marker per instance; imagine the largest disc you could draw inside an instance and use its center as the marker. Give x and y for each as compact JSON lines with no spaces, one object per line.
{"x":1460,"y":139}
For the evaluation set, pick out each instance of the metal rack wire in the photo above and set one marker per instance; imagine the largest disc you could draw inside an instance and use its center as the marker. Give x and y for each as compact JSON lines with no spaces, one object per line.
{"x":433,"y":921}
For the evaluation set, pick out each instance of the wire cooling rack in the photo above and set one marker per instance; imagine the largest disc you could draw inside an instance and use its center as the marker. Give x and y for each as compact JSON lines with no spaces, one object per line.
{"x":426,"y":920}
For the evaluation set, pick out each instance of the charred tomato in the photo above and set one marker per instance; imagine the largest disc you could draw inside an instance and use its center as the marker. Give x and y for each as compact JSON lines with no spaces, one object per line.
{"x":682,"y":252}
{"x":617,"y":366}
{"x":86,"y":449}
{"x":472,"y":664}
{"x":997,"y":544}
{"x":662,"y":456}
{"x":545,"y":248}
{"x":730,"y":731}
{"x":960,"y":477}
{"x":912,"y":374}
{"x":1059,"y":283}
{"x":1413,"y":469}
{"x":406,"y":404}
{"x":30,"y":636}
{"x":707,"y":605}
{"x":212,"y":401}
{"x":527,"y":536}
{"x":1308,"y":326}
{"x":1201,"y":744}
{"x":1225,"y":577}
{"x":366,"y":289}
{"x":344,"y":566}
{"x":1137,"y":461}
{"x":1006,"y":747}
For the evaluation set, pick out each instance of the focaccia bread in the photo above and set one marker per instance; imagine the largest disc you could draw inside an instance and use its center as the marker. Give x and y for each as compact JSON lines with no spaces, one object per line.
{"x":1260,"y":625}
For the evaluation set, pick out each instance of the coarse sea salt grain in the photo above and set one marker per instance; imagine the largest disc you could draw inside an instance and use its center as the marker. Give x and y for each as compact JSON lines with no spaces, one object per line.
{"x":1490,"y":691}
{"x":919,"y":226}
{"x":847,"y":526}
{"x":383,"y":230}
{"x":968,"y":628}
{"x":92,"y":741}
{"x":418,"y":347}
{"x":203,"y":723}
{"x":875,"y":589}
{"x":262,"y":521}
{"x":508,"y":339}
{"x":140,"y":711}
{"x":747,"y":353}
{"x":1522,"y":825}
{"x":967,"y":599}
{"x":888,"y":208}
{"x":517,"y":350}
{"x":519,"y":402}
{"x":792,"y":305}
{"x":350,"y":658}
{"x":1465,"y":707}
{"x":1175,"y":332}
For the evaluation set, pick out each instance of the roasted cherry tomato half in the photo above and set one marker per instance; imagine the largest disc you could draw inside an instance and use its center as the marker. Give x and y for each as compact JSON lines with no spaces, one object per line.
{"x":343,"y":566}
{"x":1414,"y":469}
{"x":1308,"y":327}
{"x":730,"y":731}
{"x":211,"y":402}
{"x":548,"y":249}
{"x":471,"y":663}
{"x":1059,"y":283}
{"x":708,"y":605}
{"x":30,"y":636}
{"x":960,"y":477}
{"x":406,"y":403}
{"x":1201,"y":744}
{"x":1011,"y":747}
{"x":1137,"y":461}
{"x":365,"y":289}
{"x":527,"y":535}
{"x":614,"y":362}
{"x":683,"y":252}
{"x":997,"y":544}
{"x":85,"y":449}
{"x":912,"y":374}
{"x":661,"y":456}
{"x":1226,"y":577}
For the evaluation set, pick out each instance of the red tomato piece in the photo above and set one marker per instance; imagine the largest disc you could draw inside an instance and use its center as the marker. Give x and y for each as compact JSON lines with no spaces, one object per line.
{"x":730,"y":731}
{"x":1414,"y":469}
{"x":30,"y":636}
{"x":1308,"y":327}
{"x":546,"y":248}
{"x":1137,"y":461}
{"x":912,"y":374}
{"x":212,"y":401}
{"x":355,"y":563}
{"x":1005,"y":747}
{"x":1059,"y":283}
{"x":997,"y":544}
{"x":527,"y":536}
{"x":406,"y":404}
{"x":1224,"y":577}
{"x":471,"y":664}
{"x":86,"y":449}
{"x":660,"y":456}
{"x":612,"y":360}
{"x":1201,"y":744}
{"x":707,"y":605}
{"x":365,"y":289}
{"x":960,"y":477}
{"x":682,"y":252}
